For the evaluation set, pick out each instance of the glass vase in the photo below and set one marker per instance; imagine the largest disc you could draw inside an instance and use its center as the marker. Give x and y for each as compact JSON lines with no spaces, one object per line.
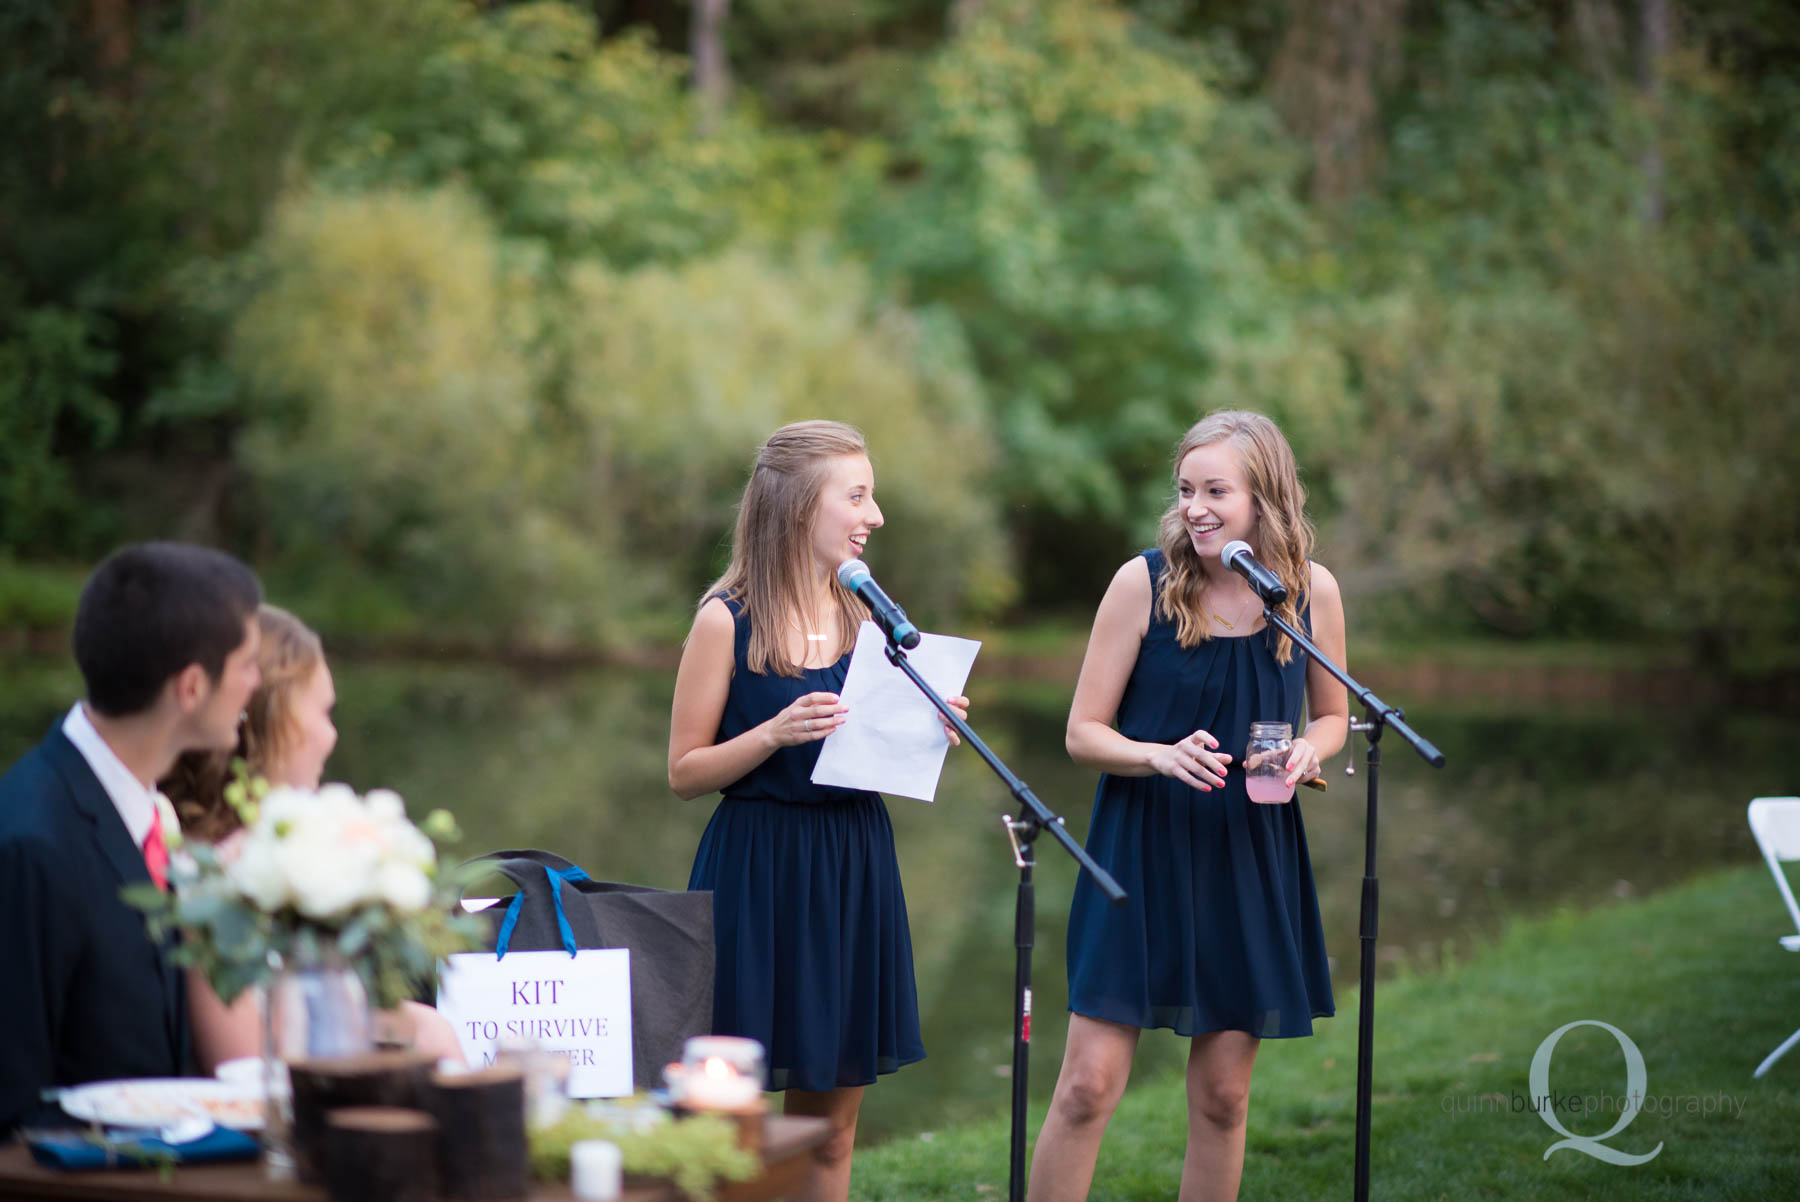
{"x":312,"y":1008}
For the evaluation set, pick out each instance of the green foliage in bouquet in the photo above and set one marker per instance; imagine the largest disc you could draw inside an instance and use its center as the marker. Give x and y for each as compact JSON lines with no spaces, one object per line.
{"x":318,"y":876}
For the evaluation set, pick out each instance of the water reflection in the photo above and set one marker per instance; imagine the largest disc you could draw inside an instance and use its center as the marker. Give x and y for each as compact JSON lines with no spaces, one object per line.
{"x":1534,"y":810}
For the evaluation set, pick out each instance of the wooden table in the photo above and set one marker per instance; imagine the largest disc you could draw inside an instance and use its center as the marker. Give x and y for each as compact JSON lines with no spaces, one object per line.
{"x":787,"y":1146}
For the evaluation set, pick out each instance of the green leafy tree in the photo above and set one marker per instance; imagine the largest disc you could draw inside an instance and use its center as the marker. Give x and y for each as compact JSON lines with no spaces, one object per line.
{"x":593,"y":147}
{"x":1074,"y":194}
{"x":1569,"y":413}
{"x":677,"y":374}
{"x":440,"y":425}
{"x":52,"y":408}
{"x":394,"y":444}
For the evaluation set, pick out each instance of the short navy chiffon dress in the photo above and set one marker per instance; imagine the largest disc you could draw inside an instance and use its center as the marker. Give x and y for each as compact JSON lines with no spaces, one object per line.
{"x":1222,"y":930}
{"x":814,"y":954}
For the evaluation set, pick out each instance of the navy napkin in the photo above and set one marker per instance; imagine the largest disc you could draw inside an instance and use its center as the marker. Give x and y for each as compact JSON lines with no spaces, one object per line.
{"x":75,"y":1149}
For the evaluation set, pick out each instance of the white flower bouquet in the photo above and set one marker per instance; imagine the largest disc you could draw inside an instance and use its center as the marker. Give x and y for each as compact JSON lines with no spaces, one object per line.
{"x":317,"y":876}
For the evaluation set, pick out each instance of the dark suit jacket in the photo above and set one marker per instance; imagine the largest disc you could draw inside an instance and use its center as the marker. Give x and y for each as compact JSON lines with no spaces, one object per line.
{"x":85,"y":994}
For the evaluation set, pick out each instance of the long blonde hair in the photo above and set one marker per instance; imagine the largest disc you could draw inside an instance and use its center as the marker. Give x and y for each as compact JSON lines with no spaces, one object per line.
{"x":771,"y":548}
{"x":287,"y":655}
{"x":1283,"y":535}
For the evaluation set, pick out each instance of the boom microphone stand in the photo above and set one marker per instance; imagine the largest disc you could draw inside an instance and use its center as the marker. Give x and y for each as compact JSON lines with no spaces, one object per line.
{"x":1377,"y":715}
{"x":1022,"y":831}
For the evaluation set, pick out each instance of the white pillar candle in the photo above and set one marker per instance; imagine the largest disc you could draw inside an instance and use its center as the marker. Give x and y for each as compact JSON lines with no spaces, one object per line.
{"x":594,"y":1170}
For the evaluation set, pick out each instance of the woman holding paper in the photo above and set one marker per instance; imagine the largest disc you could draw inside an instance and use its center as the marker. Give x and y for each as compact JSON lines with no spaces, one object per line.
{"x":814,"y":954}
{"x":1220,"y":939}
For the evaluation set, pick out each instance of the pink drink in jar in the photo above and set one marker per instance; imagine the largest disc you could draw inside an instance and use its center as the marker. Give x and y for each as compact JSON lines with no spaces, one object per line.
{"x":1265,"y":762}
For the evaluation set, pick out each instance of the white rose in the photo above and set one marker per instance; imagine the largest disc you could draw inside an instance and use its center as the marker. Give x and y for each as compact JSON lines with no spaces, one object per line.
{"x":385,"y":806}
{"x":410,"y":844}
{"x":326,"y":853}
{"x":257,"y":874}
{"x":340,"y":809}
{"x":281,"y":809}
{"x":321,"y":888}
{"x":326,"y":873}
{"x":403,"y":886}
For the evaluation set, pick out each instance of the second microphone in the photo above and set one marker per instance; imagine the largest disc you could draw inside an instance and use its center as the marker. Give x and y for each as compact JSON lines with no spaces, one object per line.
{"x":854,"y":575}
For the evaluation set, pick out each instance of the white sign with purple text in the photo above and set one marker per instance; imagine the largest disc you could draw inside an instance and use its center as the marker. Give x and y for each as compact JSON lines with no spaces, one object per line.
{"x":579,"y":1005}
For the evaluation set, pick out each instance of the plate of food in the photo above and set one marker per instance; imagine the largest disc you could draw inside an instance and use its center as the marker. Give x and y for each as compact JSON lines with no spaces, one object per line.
{"x":160,"y":1101}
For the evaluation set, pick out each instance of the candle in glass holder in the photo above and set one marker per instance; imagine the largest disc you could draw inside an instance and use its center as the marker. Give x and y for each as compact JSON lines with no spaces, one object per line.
{"x":721,"y":1073}
{"x":719,"y":1086}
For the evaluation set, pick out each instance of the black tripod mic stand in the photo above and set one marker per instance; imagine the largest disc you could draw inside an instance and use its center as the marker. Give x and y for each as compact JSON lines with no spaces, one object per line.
{"x":1022,"y":832}
{"x":1377,"y":715}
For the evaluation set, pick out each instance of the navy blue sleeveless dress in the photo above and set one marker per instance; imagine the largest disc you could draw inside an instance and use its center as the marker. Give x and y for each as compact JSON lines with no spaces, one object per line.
{"x":814,"y":955}
{"x":1222,"y":930}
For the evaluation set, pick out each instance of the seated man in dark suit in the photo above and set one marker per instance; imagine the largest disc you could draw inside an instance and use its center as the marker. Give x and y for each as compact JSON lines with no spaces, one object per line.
{"x":165,"y":636}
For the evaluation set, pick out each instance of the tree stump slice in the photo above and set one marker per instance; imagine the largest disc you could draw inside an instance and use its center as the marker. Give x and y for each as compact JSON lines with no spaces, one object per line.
{"x":376,"y":1079}
{"x":379,"y":1154}
{"x":481,"y":1117}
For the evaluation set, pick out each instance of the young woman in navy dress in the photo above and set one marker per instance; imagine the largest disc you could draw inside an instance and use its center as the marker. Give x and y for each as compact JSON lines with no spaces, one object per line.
{"x":814,"y":955}
{"x":1221,"y":939}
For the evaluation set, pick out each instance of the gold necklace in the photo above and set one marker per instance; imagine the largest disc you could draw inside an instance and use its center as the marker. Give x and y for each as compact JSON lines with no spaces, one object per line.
{"x":811,"y":635}
{"x":1220,"y":618}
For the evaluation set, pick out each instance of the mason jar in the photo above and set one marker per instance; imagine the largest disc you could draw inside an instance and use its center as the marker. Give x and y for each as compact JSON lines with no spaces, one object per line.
{"x":1265,"y":762}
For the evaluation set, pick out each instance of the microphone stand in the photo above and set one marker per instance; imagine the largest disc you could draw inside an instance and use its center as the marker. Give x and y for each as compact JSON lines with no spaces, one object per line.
{"x":1377,"y":715}
{"x":1022,"y":831}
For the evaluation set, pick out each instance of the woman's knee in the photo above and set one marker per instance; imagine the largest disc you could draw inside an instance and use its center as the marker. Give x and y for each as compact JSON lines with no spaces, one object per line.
{"x":838,"y":1148}
{"x":1222,"y":1102}
{"x":1088,"y":1093}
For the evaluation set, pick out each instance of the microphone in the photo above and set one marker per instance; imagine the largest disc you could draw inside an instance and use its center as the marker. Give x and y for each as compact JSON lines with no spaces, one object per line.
{"x":1239,"y":558}
{"x":853,"y":574}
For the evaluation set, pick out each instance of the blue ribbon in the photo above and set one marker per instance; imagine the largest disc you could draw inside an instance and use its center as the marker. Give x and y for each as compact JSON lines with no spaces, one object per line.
{"x":511,"y":920}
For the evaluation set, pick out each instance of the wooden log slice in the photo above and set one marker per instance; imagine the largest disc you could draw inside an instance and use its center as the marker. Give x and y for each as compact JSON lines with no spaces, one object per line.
{"x":481,"y":1116}
{"x":375,"y":1079}
{"x":379,"y":1154}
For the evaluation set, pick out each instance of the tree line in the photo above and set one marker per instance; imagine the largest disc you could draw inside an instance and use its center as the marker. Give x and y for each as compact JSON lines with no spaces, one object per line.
{"x":467,"y":317}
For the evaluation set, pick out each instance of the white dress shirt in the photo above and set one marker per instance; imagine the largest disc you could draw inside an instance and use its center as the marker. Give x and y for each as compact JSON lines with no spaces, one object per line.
{"x":136,"y":802}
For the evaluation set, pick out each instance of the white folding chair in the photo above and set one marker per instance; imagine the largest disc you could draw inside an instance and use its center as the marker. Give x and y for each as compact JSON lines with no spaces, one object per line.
{"x":1775,"y":821}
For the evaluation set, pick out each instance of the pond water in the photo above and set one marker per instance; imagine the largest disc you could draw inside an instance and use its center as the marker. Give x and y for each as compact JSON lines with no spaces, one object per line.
{"x":1537,"y":808}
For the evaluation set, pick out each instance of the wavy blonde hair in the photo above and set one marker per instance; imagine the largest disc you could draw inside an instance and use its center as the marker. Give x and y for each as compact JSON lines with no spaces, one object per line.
{"x":771,"y":548}
{"x":287,"y":656}
{"x":1283,"y":536}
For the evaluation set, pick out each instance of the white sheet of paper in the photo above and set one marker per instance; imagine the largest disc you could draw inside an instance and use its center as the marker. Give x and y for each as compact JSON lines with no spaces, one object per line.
{"x":579,"y":1005}
{"x":893,"y":740}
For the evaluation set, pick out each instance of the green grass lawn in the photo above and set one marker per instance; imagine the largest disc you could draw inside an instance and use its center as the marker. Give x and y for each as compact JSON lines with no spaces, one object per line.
{"x":1694,"y":977}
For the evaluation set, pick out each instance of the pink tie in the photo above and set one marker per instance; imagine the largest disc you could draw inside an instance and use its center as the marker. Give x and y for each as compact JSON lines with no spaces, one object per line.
{"x":156,"y":852}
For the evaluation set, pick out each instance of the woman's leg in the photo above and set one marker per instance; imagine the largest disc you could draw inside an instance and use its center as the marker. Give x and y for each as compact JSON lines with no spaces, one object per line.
{"x":828,"y":1178}
{"x":1095,"y":1067}
{"x":1218,"y":1092}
